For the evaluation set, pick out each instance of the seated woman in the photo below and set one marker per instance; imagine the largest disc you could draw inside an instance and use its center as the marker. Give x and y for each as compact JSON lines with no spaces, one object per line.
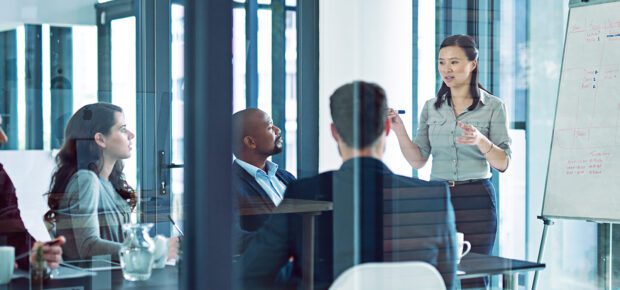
{"x":89,"y":198}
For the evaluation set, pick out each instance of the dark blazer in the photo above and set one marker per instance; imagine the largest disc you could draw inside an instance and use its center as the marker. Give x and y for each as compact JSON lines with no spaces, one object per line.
{"x":262,"y":250}
{"x":12,"y":229}
{"x":248,"y":190}
{"x":403,"y":218}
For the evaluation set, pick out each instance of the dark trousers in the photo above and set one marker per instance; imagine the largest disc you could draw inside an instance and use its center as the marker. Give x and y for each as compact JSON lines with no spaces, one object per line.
{"x":475,"y":211}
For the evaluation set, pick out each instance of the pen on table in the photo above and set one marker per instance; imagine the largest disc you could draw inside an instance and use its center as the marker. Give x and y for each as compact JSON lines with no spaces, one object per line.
{"x":175,"y":226}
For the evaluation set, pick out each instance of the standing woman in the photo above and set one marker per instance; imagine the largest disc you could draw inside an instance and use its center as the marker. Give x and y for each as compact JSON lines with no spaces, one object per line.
{"x":465,"y":129}
{"x":89,"y":198}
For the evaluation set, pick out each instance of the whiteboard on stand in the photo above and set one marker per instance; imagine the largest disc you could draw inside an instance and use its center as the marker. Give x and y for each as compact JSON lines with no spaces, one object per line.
{"x":583,"y":178}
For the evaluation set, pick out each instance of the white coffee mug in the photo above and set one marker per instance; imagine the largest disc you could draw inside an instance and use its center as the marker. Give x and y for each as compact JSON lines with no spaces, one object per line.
{"x":161,"y":252}
{"x":460,"y":241}
{"x":7,"y":264}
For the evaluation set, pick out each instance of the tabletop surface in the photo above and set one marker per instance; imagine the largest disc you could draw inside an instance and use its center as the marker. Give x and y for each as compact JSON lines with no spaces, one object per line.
{"x":478,"y":265}
{"x":161,"y":279}
{"x":473,"y":264}
{"x":288,"y":205}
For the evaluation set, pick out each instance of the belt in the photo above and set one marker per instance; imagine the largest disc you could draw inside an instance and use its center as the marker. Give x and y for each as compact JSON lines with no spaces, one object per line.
{"x":453,"y":183}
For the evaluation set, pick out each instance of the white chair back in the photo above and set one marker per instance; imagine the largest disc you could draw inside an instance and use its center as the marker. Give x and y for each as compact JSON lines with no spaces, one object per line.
{"x":390,"y":276}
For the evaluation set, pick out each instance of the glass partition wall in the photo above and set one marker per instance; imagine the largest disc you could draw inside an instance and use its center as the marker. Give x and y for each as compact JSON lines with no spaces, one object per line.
{"x":117,"y":52}
{"x":219,"y":177}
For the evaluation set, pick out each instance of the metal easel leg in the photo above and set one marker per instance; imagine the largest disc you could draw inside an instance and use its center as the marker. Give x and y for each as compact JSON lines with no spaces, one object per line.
{"x":547,"y":222}
{"x":608,"y":277}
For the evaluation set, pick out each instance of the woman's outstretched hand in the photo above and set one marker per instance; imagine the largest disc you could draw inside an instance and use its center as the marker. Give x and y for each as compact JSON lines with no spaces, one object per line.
{"x":470,"y":136}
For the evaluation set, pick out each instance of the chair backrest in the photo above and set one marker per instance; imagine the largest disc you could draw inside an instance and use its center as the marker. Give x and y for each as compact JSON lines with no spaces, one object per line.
{"x":390,"y":276}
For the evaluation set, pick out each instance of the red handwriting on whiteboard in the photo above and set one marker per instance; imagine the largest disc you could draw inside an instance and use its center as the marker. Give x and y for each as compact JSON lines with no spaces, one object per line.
{"x":593,"y":165}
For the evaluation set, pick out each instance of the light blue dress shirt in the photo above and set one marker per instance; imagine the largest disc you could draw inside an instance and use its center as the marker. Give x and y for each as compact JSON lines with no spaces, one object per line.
{"x":269,"y":182}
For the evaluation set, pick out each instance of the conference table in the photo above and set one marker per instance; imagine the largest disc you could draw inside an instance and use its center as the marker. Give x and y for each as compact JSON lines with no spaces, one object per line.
{"x":475,"y":265}
{"x":161,"y":279}
{"x":308,"y":209}
{"x":168,"y":278}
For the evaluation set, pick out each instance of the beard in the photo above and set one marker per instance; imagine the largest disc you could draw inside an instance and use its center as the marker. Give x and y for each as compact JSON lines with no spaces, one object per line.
{"x":277,"y":146}
{"x":276,"y":150}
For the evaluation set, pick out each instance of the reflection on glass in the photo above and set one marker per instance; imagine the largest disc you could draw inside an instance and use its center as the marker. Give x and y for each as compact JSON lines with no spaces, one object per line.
{"x":178,"y":104}
{"x":290,"y":125}
{"x":84,"y":65}
{"x":46,"y":87}
{"x":265,"y":72}
{"x":239,"y":59}
{"x":21,"y":88}
{"x":426,"y":64}
{"x":264,"y":60}
{"x":124,"y":79}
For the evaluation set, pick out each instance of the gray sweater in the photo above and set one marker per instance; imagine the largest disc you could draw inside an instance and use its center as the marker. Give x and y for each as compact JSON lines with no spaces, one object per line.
{"x":91,"y":215}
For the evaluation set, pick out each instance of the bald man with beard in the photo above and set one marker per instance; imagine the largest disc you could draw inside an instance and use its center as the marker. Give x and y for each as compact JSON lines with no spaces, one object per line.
{"x":263,"y":255}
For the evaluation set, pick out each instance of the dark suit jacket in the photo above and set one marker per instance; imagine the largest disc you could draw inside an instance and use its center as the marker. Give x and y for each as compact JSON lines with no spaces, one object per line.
{"x":262,"y":249}
{"x":403,"y":218}
{"x":12,"y":229}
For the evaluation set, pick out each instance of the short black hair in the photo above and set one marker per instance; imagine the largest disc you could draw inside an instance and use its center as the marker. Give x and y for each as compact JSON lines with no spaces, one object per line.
{"x":359,"y":110}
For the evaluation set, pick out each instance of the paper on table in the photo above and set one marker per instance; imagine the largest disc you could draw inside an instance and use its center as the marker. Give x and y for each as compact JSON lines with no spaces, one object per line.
{"x":64,"y":272}
{"x":61,"y":272}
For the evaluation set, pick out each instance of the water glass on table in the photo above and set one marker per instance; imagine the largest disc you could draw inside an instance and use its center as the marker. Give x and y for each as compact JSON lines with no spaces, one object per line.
{"x":137,"y":251}
{"x":7,"y":264}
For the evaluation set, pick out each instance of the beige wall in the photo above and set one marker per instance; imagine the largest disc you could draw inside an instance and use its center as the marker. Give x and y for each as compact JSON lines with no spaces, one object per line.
{"x":364,"y":40}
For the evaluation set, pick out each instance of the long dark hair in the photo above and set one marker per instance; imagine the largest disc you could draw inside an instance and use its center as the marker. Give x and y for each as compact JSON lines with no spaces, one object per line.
{"x":469,"y":46}
{"x":81,"y":152}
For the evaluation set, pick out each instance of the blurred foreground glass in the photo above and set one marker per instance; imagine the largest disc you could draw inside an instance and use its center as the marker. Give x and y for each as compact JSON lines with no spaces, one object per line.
{"x":137,"y":251}
{"x":7,"y":259}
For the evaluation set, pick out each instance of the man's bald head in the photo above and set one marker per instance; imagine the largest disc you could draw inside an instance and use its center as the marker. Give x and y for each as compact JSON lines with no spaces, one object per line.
{"x":241,"y":125}
{"x":253,"y":131}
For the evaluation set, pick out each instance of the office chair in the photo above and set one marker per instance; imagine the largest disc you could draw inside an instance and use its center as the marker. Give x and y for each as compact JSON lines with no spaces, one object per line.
{"x":390,"y":276}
